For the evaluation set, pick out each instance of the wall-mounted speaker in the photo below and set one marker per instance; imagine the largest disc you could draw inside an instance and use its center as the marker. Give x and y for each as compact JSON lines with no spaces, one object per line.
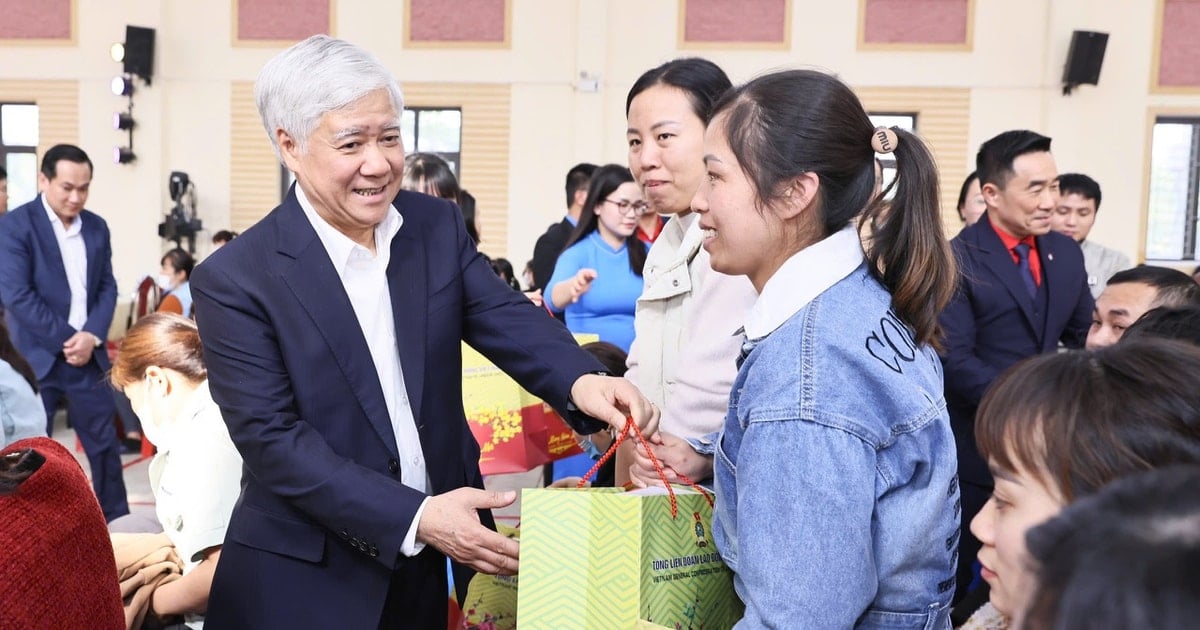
{"x":139,"y":52}
{"x":1084,"y":59}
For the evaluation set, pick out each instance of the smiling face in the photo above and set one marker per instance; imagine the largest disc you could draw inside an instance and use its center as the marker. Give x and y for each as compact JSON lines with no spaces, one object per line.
{"x":740,"y":237}
{"x":1024,"y":206}
{"x":1074,"y":216}
{"x":1019,"y":502}
{"x":666,"y":147}
{"x":351,"y":165}
{"x":67,"y":192}
{"x":614,"y":222}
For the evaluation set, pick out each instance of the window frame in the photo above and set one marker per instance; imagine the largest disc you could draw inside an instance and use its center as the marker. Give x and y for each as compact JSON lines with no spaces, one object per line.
{"x":9,"y":149}
{"x":1191,"y":209}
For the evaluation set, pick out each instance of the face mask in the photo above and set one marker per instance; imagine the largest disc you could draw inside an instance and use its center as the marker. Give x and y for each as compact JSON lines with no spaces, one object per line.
{"x":590,"y":449}
{"x":164,"y":282}
{"x":151,"y":425}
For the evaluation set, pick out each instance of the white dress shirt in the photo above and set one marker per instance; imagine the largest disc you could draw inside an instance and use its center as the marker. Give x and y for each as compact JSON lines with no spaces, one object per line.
{"x":74,"y":255}
{"x":364,"y":277}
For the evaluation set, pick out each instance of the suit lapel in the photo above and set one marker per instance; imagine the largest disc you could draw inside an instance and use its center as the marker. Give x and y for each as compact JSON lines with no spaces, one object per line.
{"x":319,"y":290}
{"x":91,"y":250}
{"x":49,"y":242}
{"x":1056,"y":276}
{"x":406,"y":282}
{"x":999,"y":261}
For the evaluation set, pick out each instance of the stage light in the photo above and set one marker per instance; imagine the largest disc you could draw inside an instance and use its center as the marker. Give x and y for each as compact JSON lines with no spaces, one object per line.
{"x":117,"y":52}
{"x":122,"y":120}
{"x":122,"y":155}
{"x":122,"y":86}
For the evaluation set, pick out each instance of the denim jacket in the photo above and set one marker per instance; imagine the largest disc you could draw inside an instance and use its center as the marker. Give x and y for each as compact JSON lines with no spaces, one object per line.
{"x":835,"y":473}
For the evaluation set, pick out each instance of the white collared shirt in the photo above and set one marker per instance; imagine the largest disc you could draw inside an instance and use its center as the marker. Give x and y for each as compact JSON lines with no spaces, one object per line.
{"x":801,"y":278}
{"x":74,"y":257}
{"x":364,"y":277}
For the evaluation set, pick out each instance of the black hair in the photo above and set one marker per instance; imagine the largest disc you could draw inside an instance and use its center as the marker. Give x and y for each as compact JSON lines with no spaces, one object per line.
{"x":1174,"y":287}
{"x":962,"y":192}
{"x":16,"y":467}
{"x":1079,"y":420}
{"x":59,"y":152}
{"x":180,"y":261}
{"x":224,"y":236}
{"x":610,"y":356}
{"x":782,"y":125}
{"x":578,"y":179}
{"x":504,"y":269}
{"x":3,"y":173}
{"x":700,"y":79}
{"x":1079,"y":184}
{"x":994,"y":162}
{"x":1180,"y":323}
{"x":1125,"y":557}
{"x":605,"y":180}
{"x":428,"y":173}
{"x":9,"y":354}
{"x":466,"y":204}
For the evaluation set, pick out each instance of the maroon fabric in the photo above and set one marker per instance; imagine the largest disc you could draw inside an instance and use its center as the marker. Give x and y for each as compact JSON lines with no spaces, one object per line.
{"x":57,"y":568}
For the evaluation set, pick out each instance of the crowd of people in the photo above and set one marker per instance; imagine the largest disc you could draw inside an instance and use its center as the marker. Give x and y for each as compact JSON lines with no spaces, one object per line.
{"x":1000,"y":429}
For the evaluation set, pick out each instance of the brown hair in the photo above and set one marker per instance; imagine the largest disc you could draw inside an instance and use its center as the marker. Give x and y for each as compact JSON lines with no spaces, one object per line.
{"x":785,"y":124}
{"x":1079,"y":420}
{"x":163,"y":339}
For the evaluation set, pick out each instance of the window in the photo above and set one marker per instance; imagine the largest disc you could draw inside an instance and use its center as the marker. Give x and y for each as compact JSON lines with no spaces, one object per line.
{"x":18,"y":150}
{"x":435,"y":130}
{"x":905,"y":121}
{"x":1174,"y":190}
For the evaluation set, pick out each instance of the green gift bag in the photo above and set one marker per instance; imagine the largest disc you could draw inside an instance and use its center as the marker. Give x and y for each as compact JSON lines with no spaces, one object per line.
{"x":491,"y":602}
{"x":608,"y":558}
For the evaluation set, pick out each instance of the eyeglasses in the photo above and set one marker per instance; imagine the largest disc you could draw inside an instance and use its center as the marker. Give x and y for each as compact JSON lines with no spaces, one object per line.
{"x":638,"y":207}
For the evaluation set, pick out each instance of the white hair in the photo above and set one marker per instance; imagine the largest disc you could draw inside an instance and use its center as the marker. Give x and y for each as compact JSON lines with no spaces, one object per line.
{"x":318,"y":75}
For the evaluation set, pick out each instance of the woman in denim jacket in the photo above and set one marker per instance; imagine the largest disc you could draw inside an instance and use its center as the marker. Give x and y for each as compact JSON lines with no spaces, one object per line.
{"x":835,"y":471}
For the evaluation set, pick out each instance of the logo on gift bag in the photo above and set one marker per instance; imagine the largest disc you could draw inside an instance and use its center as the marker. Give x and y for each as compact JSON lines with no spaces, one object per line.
{"x":701,"y":539}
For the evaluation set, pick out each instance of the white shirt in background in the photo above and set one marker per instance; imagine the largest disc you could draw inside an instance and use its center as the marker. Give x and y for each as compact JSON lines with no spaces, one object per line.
{"x":74,"y":256}
{"x":196,"y":479}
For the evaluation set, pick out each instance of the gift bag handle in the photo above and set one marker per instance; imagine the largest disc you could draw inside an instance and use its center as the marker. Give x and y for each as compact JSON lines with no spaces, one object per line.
{"x":641,"y":439}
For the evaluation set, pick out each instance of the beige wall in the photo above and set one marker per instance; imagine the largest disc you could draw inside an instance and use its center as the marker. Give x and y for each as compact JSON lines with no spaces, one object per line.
{"x":184,"y":119}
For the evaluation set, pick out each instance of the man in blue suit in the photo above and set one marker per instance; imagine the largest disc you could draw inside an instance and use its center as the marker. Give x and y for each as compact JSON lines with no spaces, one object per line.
{"x":332,"y":333}
{"x":1022,"y":290}
{"x":57,"y":285}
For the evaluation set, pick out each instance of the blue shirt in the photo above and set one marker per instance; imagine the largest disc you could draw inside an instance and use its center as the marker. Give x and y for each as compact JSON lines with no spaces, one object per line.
{"x":607,"y":307}
{"x":21,"y":412}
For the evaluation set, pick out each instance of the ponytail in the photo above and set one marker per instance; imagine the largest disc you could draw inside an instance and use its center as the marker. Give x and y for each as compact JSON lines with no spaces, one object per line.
{"x":907,"y":250}
{"x":784,"y":124}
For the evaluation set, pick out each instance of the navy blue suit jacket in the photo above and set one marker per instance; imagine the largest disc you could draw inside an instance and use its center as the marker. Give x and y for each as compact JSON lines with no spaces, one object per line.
{"x":315,"y":538}
{"x":991,"y":323}
{"x":34,"y":289}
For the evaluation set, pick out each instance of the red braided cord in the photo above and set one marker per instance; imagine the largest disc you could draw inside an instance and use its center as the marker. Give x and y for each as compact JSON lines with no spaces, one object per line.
{"x":612,"y":449}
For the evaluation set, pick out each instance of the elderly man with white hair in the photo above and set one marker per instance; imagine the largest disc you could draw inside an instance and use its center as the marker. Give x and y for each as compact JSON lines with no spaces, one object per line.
{"x":331,"y":330}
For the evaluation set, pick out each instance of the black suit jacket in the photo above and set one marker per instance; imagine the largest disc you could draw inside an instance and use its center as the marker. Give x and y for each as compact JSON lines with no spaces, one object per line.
{"x":315,"y":538}
{"x":991,"y":323}
{"x":545,"y":252}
